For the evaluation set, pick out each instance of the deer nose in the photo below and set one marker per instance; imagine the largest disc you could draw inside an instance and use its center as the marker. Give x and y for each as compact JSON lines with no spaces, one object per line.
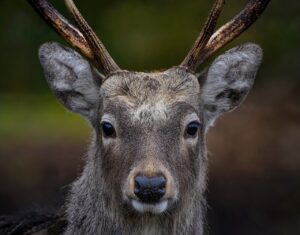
{"x":150,"y":189}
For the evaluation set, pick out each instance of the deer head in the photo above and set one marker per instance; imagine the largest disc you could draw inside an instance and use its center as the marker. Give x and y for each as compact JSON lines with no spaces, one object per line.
{"x":150,"y":128}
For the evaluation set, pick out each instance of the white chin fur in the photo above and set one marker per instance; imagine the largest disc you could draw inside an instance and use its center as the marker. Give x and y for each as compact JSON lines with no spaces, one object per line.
{"x":157,"y":208}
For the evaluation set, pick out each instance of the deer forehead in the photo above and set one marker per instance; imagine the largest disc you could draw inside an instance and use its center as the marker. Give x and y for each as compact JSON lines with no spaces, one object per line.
{"x":149,"y":96}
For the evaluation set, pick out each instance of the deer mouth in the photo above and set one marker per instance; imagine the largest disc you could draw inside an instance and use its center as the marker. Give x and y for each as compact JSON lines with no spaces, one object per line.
{"x":155,"y":208}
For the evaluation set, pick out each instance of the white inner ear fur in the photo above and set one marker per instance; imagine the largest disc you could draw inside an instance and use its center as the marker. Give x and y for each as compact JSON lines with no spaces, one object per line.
{"x":229,"y":80}
{"x":71,"y":78}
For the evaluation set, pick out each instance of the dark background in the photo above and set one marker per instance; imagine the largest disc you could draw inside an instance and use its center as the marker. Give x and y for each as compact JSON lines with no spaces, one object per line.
{"x":254,"y":179}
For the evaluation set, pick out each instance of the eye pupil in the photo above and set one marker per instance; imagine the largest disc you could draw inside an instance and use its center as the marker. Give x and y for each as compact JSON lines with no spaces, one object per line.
{"x":192,"y":129}
{"x":108,"y":129}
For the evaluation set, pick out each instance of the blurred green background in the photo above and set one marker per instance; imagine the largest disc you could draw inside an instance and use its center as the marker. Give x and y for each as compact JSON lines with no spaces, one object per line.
{"x":255,"y":162}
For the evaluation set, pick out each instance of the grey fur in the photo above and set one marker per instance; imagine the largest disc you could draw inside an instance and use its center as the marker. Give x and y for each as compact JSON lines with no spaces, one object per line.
{"x":229,"y":79}
{"x":71,"y":78}
{"x":150,"y":112}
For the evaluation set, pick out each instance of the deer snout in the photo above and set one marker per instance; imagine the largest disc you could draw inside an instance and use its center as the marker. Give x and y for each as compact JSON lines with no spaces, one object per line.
{"x":150,"y":189}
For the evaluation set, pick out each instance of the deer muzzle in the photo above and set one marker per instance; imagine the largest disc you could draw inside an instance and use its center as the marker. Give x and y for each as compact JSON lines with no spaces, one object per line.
{"x":150,"y":188}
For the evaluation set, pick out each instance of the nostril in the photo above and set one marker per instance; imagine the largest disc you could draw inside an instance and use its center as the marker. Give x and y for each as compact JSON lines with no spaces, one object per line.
{"x":150,"y":189}
{"x":162,"y":183}
{"x":137,"y":184}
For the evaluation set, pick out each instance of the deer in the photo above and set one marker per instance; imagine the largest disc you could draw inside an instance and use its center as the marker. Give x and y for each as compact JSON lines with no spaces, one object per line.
{"x":146,"y":168}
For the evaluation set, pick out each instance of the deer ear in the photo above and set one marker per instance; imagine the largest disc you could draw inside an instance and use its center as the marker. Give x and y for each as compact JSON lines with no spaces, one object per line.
{"x":229,"y":79}
{"x":71,"y":78}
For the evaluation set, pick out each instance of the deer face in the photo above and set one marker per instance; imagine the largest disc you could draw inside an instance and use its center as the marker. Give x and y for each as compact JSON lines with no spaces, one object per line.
{"x":150,"y":127}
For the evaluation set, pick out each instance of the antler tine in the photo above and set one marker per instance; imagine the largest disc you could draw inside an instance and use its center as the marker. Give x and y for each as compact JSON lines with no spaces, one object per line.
{"x":209,"y":28}
{"x":228,"y":32}
{"x":82,"y":39}
{"x":66,"y":30}
{"x":101,"y":55}
{"x":235,"y":27}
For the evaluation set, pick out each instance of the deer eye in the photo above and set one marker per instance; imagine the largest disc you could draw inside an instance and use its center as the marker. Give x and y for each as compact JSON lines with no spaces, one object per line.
{"x":108,"y":130}
{"x":192,"y":129}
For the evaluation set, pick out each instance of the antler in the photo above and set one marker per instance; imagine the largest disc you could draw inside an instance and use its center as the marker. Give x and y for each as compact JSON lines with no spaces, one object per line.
{"x":207,"y":43}
{"x":83,"y":39}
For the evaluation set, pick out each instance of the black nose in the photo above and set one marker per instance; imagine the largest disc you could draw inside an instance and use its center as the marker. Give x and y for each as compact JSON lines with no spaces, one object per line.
{"x":150,"y":189}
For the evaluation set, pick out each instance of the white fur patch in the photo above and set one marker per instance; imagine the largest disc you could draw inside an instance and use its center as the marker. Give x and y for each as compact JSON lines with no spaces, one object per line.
{"x":153,"y":208}
{"x":158,"y":111}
